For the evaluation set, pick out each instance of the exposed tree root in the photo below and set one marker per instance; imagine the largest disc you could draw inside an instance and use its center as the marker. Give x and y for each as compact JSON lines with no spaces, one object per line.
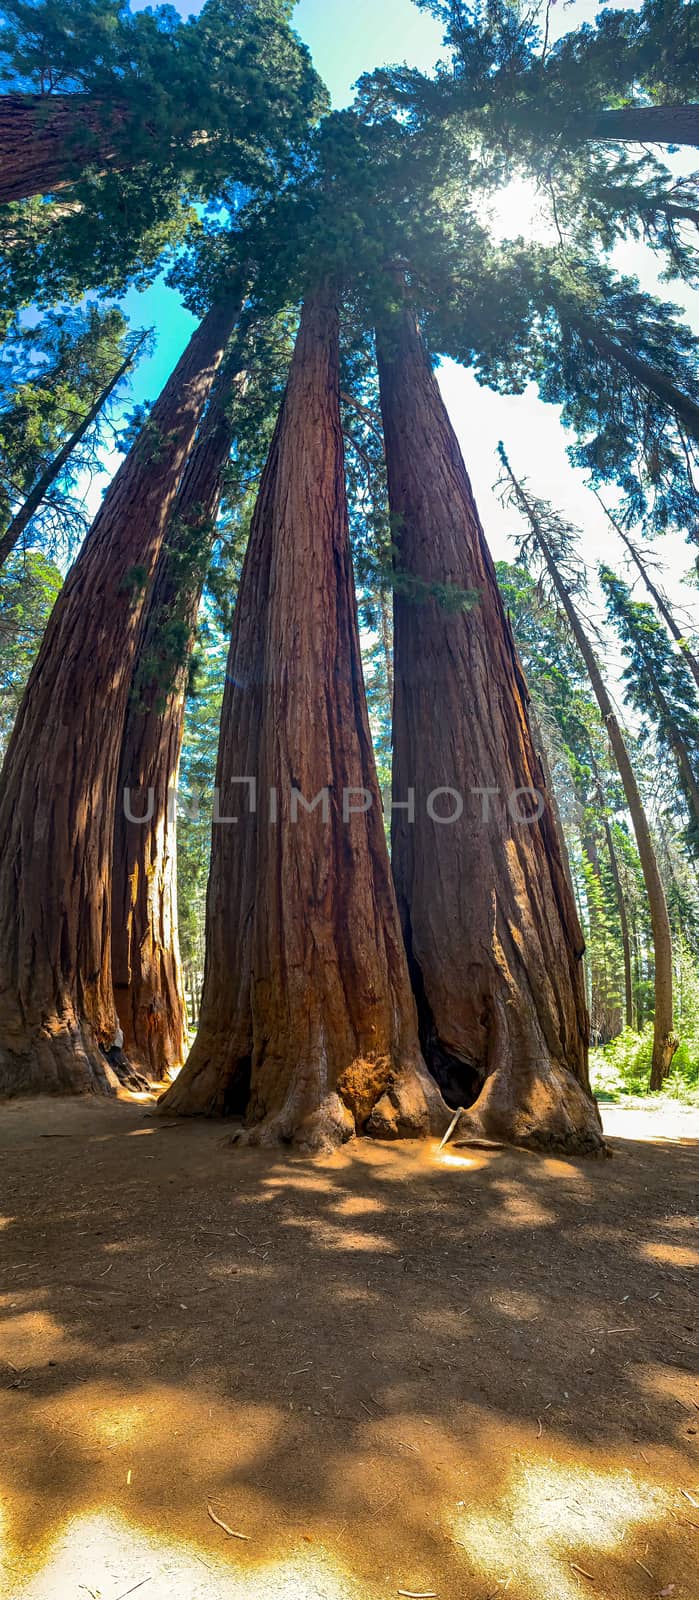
{"x":372,"y":1099}
{"x":548,"y":1112}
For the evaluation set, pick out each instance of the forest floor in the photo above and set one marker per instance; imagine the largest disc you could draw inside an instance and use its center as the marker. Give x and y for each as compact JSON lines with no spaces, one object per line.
{"x":388,"y":1371}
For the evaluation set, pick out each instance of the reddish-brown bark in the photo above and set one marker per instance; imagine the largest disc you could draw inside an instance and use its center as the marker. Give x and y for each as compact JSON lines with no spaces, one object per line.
{"x":60,"y":773}
{"x":146,"y":967}
{"x":48,"y":141}
{"x":493,"y":937}
{"x":308,"y":1025}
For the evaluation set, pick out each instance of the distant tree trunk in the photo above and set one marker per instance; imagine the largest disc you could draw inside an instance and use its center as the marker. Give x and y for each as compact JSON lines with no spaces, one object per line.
{"x":655,"y":381}
{"x":537,"y":733}
{"x":604,"y":1009}
{"x":619,"y":894}
{"x":623,"y":924}
{"x":48,"y":141}
{"x":494,"y":942}
{"x":307,"y":1024}
{"x":60,"y":772}
{"x":146,"y":967}
{"x":685,"y":769}
{"x":665,"y":1043}
{"x":37,"y":495}
{"x":673,"y":124}
{"x":387,"y":642}
{"x":668,"y":618}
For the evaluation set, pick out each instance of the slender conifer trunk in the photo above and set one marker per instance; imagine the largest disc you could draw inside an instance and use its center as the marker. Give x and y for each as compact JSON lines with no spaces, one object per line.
{"x":688,"y":656}
{"x":494,"y":942}
{"x":308,"y":1026}
{"x":58,"y":784}
{"x":20,"y":522}
{"x":619,"y":895}
{"x":146,"y":966}
{"x":665,"y":1043}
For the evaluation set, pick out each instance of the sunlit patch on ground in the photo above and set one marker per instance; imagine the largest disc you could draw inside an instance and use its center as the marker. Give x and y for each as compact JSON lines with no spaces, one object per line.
{"x":103,"y":1555}
{"x":386,"y":1371}
{"x":674,"y":1254}
{"x":555,"y":1524}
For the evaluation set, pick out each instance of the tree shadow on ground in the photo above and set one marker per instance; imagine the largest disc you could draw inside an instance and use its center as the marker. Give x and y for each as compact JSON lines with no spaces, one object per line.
{"x":467,"y":1374}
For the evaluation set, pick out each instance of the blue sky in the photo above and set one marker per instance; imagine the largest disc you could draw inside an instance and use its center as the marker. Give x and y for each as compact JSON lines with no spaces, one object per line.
{"x":346,"y":38}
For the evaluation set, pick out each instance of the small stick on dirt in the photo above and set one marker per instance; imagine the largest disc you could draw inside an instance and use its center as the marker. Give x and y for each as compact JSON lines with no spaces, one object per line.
{"x":690,"y":1498}
{"x":647,"y":1570}
{"x":230,"y":1531}
{"x":428,"y":1594}
{"x":450,"y":1130}
{"x":541,"y":1427}
{"x":133,"y":1590}
{"x":575,"y":1568}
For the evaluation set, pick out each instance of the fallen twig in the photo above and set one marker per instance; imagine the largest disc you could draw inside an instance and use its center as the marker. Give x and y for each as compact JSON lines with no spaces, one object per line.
{"x":136,"y":1586}
{"x":230,"y":1531}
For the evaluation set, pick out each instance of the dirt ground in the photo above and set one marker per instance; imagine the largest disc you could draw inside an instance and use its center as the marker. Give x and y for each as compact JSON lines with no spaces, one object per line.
{"x":391,"y":1371}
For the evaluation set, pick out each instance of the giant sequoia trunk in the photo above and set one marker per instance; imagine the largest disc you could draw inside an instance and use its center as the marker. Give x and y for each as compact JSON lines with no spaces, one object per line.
{"x":35,"y":499}
{"x":308,"y":1026}
{"x":59,"y":778}
{"x":48,"y":141}
{"x":678,"y":124}
{"x":146,"y":967}
{"x":665,"y":1041}
{"x":493,"y":937}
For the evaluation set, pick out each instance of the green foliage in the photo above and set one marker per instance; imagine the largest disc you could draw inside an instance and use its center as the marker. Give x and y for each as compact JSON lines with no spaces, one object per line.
{"x":658,"y":686}
{"x":51,"y":371}
{"x":29,"y":588}
{"x":622,"y":1067}
{"x":194,"y":110}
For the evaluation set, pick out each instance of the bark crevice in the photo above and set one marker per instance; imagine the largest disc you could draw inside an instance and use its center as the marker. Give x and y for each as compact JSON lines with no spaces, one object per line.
{"x":307,"y":1014}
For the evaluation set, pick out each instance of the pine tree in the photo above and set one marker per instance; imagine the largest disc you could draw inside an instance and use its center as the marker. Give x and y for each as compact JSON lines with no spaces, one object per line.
{"x":643,"y":566}
{"x":555,"y":543}
{"x":29,"y":588}
{"x":66,"y":458}
{"x":55,"y":376}
{"x":658,"y":687}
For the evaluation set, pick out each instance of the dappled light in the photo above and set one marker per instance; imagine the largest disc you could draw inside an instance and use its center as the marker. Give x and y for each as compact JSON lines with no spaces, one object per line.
{"x":395,"y":1373}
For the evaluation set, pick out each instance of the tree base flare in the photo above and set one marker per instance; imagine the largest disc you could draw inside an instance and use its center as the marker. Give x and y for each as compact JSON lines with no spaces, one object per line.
{"x":66,"y":1061}
{"x":371,"y":1099}
{"x":552,"y":1115}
